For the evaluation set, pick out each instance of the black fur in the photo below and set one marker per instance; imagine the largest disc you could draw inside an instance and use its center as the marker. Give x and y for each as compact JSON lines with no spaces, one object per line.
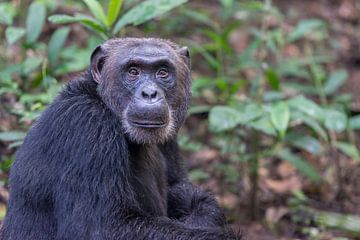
{"x":78,"y":176}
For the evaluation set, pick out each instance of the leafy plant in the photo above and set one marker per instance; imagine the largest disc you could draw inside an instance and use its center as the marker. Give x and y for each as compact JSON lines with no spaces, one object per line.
{"x":107,"y":25}
{"x":285,"y":104}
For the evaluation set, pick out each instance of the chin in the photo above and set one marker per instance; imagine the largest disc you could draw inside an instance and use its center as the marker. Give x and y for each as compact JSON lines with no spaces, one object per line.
{"x":147,"y":133}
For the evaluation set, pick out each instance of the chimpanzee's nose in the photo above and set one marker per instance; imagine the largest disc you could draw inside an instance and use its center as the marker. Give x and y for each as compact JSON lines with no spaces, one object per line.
{"x":150,"y":93}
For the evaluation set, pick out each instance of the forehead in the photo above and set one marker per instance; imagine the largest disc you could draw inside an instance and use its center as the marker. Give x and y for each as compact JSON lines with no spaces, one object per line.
{"x":147,"y":49}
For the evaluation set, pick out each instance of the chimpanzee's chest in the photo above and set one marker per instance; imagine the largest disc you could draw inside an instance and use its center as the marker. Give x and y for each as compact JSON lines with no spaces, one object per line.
{"x":149,"y":180}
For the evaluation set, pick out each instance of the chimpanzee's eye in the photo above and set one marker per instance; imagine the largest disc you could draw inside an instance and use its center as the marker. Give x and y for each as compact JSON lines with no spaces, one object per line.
{"x":133,"y":72}
{"x":162,"y":73}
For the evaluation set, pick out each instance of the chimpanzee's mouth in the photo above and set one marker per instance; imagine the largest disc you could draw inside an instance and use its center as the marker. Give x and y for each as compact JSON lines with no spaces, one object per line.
{"x":147,"y":124}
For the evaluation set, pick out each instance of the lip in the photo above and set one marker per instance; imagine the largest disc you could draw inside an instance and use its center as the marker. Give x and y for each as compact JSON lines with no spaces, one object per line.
{"x":147,"y":124}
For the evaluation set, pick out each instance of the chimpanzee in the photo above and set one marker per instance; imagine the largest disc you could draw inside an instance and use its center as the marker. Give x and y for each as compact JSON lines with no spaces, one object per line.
{"x":102,"y":161}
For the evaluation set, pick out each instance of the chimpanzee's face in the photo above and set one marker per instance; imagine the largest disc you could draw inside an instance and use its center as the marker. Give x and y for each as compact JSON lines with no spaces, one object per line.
{"x":146,"y":82}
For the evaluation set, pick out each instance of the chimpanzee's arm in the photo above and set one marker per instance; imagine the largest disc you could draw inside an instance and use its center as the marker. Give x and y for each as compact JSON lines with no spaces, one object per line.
{"x":187,"y":203}
{"x":193,"y":206}
{"x":90,"y":218}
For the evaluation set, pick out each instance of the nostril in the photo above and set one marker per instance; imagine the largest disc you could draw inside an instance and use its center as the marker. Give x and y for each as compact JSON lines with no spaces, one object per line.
{"x":144,"y":95}
{"x":149,"y":94}
{"x":153,"y":95}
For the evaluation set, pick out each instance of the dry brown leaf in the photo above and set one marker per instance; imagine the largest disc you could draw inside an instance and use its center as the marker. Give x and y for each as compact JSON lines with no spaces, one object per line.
{"x":274,"y":214}
{"x":228,"y":200}
{"x":285,"y":169}
{"x":284,"y":186}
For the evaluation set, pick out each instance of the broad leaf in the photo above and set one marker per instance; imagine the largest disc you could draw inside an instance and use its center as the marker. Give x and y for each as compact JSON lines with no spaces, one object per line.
{"x":145,"y":11}
{"x":89,"y":22}
{"x":63,"y":19}
{"x":113,"y":11}
{"x":335,"y":81}
{"x":12,"y":136}
{"x":335,"y":120}
{"x":305,"y":27}
{"x":349,"y":150}
{"x":251,"y":112}
{"x":301,"y":88}
{"x":30,"y":64}
{"x":56,"y":43}
{"x":301,"y":165}
{"x":304,"y":142}
{"x":16,"y":144}
{"x":307,"y":106}
{"x":223,"y":118}
{"x":35,"y":21}
{"x":354,"y":122}
{"x":7,"y":13}
{"x":280,"y":116}
{"x":13,"y":34}
{"x":311,"y":123}
{"x":264,"y":125}
{"x":342,"y":222}
{"x":97,"y":11}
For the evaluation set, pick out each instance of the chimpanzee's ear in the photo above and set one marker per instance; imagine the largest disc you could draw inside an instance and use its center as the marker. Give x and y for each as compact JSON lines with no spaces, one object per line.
{"x":97,"y":62}
{"x":184,"y":53}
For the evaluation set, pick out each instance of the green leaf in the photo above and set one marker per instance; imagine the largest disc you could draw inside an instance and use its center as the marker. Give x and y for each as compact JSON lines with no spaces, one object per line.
{"x":199,"y":109}
{"x":56,"y":44}
{"x":113,"y":11}
{"x":354,"y":122}
{"x":305,"y":27}
{"x":30,"y":64}
{"x":16,"y":144}
{"x":198,"y":175}
{"x":272,"y":96}
{"x":7,"y":13}
{"x":301,"y":165}
{"x":311,"y":123}
{"x":63,"y":19}
{"x":349,"y":149}
{"x":211,"y":60}
{"x":342,"y":222}
{"x":145,"y":11}
{"x":222,"y":118}
{"x":335,"y":81}
{"x":13,"y":34}
{"x":273,"y":79}
{"x":35,"y":21}
{"x":318,"y":73}
{"x":304,"y":142}
{"x":231,"y":174}
{"x":97,"y":11}
{"x":89,"y":22}
{"x":301,"y":88}
{"x":307,"y":106}
{"x":251,"y":112}
{"x":264,"y":125}
{"x":253,"y":5}
{"x":11,"y":136}
{"x":335,"y":120}
{"x":280,"y":116}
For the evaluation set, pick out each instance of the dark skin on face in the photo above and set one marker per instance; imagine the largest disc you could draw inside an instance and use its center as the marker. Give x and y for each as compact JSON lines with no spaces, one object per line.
{"x":102,"y":161}
{"x":154,"y":88}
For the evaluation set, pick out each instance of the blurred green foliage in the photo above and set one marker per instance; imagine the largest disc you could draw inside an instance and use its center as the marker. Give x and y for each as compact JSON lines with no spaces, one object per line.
{"x":261,"y":102}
